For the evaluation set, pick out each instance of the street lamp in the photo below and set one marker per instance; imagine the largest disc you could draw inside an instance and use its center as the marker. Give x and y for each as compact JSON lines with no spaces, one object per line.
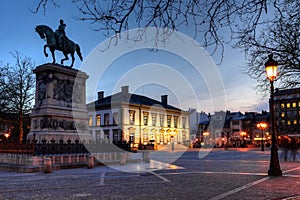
{"x":205,"y":134}
{"x":271,"y":71}
{"x":243,"y":134}
{"x":262,"y":126}
{"x":6,"y":135}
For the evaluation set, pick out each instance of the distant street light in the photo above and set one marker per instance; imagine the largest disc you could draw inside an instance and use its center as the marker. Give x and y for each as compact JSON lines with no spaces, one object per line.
{"x":6,"y":135}
{"x":262,"y":126}
{"x":271,"y":71}
{"x":205,"y":134}
{"x":243,"y":134}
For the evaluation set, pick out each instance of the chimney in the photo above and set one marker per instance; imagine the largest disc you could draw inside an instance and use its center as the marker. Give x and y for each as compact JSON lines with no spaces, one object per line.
{"x":100,"y":96}
{"x":125,"y":91}
{"x":164,"y":99}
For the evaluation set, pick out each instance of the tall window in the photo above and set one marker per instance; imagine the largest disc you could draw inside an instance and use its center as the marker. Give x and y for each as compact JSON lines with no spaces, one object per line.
{"x":288,"y":105}
{"x":235,"y":122}
{"x":98,"y":135}
{"x":98,"y":120}
{"x":154,"y":119}
{"x":106,"y":135}
{"x":169,"y":120}
{"x":282,"y":105}
{"x":106,"y":119}
{"x":175,"y":121}
{"x":161,"y":120}
{"x":116,"y":135}
{"x":294,"y":104}
{"x":145,"y":117}
{"x":91,"y":120}
{"x":116,"y":118}
{"x":131,"y":116}
{"x":183,"y":122}
{"x":294,"y":113}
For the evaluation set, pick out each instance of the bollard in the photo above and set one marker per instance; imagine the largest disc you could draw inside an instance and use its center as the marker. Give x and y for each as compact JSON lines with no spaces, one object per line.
{"x":47,"y":165}
{"x":146,"y":157}
{"x":91,"y":162}
{"x":122,"y":158}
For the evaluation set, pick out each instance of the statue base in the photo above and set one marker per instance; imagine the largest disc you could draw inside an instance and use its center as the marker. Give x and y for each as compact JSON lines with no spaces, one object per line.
{"x":60,"y":104}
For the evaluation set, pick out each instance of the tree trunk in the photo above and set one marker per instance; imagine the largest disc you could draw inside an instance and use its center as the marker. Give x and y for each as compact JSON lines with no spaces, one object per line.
{"x":21,"y":127}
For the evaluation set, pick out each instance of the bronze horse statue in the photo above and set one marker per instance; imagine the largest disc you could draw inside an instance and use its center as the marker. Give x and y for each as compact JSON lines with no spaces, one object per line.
{"x":68,"y":46}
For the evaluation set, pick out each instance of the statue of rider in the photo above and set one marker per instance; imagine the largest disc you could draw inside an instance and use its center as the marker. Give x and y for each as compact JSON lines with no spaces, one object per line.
{"x":60,"y":34}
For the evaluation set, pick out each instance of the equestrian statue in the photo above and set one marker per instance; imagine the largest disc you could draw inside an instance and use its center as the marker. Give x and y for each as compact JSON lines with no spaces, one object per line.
{"x":58,"y":41}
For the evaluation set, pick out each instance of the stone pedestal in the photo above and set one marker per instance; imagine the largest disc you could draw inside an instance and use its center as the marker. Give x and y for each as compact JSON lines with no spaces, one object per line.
{"x":60,"y":104}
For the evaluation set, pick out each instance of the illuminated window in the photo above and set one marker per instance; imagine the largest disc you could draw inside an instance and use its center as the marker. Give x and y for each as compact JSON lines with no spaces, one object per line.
{"x":288,"y":105}
{"x":98,"y":120}
{"x":294,"y":104}
{"x":295,"y":122}
{"x":282,"y":105}
{"x":299,"y":104}
{"x":175,"y":121}
{"x":283,"y":114}
{"x":161,"y":119}
{"x":131,"y":116}
{"x":145,"y":117}
{"x":153,"y":119}
{"x":169,"y":121}
{"x":288,"y":122}
{"x":90,"y":120}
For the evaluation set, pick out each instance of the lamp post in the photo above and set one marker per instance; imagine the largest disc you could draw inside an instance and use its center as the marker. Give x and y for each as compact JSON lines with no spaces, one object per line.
{"x":262,"y":126}
{"x":243,"y":134}
{"x":271,"y":71}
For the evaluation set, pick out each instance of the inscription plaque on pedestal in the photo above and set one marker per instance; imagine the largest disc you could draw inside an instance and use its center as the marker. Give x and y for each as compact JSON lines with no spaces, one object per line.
{"x":60,"y":104}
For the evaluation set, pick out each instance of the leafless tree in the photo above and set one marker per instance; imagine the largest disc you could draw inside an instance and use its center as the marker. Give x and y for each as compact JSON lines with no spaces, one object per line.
{"x":260,"y":27}
{"x":214,"y":22}
{"x":18,"y":85}
{"x":282,"y":39}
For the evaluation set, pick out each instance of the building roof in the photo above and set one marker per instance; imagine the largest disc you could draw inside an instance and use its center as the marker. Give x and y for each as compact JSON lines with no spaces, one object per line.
{"x":279,"y":92}
{"x":131,"y":99}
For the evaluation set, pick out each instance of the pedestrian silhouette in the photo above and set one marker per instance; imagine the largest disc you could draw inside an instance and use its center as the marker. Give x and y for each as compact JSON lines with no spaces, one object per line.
{"x":294,"y":148}
{"x":285,"y":148}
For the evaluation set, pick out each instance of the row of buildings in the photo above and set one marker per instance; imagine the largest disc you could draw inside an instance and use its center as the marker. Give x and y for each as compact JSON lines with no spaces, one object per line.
{"x":240,"y":129}
{"x":141,"y":120}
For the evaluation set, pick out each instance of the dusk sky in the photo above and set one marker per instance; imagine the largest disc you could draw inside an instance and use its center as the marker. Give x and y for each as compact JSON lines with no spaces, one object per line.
{"x":17,"y":34}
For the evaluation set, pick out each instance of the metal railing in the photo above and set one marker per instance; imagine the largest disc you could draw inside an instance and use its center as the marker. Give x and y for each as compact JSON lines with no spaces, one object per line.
{"x":63,"y":147}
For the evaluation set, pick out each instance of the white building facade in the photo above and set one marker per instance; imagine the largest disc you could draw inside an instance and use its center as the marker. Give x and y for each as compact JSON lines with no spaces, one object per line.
{"x":137,"y":119}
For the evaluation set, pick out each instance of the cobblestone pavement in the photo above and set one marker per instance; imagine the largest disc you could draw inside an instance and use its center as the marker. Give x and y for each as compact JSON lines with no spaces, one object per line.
{"x":221,"y":174}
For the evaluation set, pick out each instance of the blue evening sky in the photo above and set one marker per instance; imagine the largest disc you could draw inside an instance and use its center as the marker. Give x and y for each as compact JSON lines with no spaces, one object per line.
{"x":17,"y":34}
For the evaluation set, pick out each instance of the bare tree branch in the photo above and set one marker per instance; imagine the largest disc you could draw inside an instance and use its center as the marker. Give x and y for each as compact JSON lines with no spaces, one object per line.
{"x":214,"y":22}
